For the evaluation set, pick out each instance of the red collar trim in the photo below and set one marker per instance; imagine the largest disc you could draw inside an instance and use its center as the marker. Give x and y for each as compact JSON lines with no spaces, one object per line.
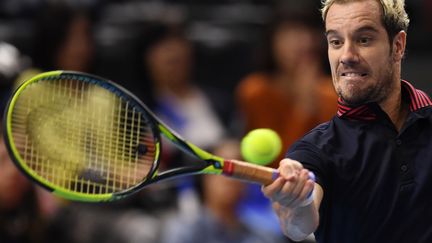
{"x":417,"y":98}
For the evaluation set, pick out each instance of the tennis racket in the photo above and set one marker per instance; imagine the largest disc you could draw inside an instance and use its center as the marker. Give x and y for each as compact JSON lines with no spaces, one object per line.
{"x":85,"y":138}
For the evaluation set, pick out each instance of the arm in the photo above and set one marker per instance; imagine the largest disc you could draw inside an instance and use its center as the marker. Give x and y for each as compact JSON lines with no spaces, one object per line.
{"x":288,"y":194}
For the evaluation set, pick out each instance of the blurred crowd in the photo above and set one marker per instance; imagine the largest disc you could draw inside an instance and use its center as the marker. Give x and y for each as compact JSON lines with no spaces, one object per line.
{"x":286,"y":87}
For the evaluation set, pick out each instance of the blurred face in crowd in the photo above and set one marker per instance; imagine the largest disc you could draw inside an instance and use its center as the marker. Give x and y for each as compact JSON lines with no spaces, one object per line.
{"x":170,"y":62}
{"x":364,"y":62}
{"x":294,"y":44}
{"x":13,"y":185}
{"x":76,"y":52}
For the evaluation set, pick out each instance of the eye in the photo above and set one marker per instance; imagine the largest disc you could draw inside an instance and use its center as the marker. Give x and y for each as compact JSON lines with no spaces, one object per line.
{"x":335,"y":43}
{"x":365,"y":40}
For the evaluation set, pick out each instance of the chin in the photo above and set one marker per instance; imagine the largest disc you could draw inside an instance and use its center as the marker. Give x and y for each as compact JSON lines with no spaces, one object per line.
{"x":354,"y":99}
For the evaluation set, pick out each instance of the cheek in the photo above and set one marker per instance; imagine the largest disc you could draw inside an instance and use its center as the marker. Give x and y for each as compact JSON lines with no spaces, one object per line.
{"x":333,"y":61}
{"x":330,"y":54}
{"x":379,"y":58}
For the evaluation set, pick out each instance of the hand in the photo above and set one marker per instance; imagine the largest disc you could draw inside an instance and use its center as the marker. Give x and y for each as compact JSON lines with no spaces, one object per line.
{"x":293,"y":186}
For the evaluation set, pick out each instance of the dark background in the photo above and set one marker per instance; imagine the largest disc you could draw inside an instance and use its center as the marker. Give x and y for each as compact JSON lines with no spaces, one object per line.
{"x":226,"y":34}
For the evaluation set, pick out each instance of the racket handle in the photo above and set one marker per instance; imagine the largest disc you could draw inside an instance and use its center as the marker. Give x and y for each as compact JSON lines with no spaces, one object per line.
{"x":260,"y":174}
{"x":250,"y":172}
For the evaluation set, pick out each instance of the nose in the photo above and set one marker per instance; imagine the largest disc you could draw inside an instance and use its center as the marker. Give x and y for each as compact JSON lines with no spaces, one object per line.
{"x":350,"y":55}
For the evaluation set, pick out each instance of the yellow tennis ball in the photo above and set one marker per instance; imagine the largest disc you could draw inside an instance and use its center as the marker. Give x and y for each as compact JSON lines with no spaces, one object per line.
{"x":261,"y":146}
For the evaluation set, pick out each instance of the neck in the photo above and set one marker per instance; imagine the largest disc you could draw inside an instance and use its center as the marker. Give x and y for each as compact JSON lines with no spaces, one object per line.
{"x":396,"y":109}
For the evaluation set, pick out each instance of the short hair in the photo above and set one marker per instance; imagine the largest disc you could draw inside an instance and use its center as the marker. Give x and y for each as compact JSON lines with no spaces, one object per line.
{"x":394,"y":16}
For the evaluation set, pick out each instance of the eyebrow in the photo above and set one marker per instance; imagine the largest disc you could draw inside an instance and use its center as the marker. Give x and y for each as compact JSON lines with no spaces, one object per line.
{"x":328,"y":32}
{"x":366,"y":28}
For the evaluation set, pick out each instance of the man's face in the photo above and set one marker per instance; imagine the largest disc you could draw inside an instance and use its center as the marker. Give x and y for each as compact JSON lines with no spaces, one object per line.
{"x":359,"y":52}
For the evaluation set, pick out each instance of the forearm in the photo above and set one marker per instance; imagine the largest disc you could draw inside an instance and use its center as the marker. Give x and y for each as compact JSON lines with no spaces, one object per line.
{"x":299,"y":222}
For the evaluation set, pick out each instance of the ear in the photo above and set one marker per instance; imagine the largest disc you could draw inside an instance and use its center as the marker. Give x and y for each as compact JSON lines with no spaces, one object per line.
{"x":399,"y":44}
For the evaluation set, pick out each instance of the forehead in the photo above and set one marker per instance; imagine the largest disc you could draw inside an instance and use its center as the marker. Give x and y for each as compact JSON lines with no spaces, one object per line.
{"x":352,"y":15}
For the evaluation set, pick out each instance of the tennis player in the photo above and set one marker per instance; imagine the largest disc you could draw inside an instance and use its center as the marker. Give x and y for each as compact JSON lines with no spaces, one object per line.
{"x":373,"y":161}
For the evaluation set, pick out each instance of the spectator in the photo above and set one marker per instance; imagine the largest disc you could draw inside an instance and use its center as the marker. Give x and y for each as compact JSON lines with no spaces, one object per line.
{"x":290,"y":93}
{"x":62,"y":40}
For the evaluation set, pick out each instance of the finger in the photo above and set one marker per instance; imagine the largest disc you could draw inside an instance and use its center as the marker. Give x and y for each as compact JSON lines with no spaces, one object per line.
{"x":301,"y":180}
{"x":294,"y":164}
{"x":288,"y":168}
{"x":285,"y":196}
{"x":306,"y":192}
{"x":297,"y":184}
{"x":272,"y":189}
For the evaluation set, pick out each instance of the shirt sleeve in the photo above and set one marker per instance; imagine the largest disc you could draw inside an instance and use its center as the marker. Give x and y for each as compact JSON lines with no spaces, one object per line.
{"x":309,"y":155}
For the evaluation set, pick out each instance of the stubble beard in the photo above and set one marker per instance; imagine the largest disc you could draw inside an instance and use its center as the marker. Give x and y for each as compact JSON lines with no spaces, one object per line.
{"x":376,"y":92}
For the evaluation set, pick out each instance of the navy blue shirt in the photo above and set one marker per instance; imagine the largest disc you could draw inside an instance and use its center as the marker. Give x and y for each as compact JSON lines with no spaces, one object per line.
{"x":377,"y":181}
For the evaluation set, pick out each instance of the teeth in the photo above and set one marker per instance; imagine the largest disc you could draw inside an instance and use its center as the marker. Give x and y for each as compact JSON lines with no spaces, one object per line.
{"x":353,"y":74}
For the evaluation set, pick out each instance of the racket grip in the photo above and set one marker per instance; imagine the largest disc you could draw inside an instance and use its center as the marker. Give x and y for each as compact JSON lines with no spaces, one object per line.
{"x":259,"y":174}
{"x":252,"y":172}
{"x":249,"y":172}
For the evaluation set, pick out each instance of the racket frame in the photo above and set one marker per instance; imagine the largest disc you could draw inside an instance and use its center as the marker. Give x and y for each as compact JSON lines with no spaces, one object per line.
{"x":211,"y":164}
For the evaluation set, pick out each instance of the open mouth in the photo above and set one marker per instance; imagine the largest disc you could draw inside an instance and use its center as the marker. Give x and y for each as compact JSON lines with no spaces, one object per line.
{"x":353,"y":74}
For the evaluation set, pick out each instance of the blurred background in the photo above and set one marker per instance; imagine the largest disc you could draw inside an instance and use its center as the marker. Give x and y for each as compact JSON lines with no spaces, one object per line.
{"x":205,"y":67}
{"x":225,"y":33}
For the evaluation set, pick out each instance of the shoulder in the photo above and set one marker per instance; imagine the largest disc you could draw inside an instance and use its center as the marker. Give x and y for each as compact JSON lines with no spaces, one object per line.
{"x":321,"y":134}
{"x":253,"y":83}
{"x":312,"y":146}
{"x":322,"y":143}
{"x":337,"y":132}
{"x":425,"y":112}
{"x":312,"y":151}
{"x":256,"y":78}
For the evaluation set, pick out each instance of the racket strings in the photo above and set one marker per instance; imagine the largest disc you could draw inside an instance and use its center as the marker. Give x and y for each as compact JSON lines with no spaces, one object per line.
{"x":82,"y":137}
